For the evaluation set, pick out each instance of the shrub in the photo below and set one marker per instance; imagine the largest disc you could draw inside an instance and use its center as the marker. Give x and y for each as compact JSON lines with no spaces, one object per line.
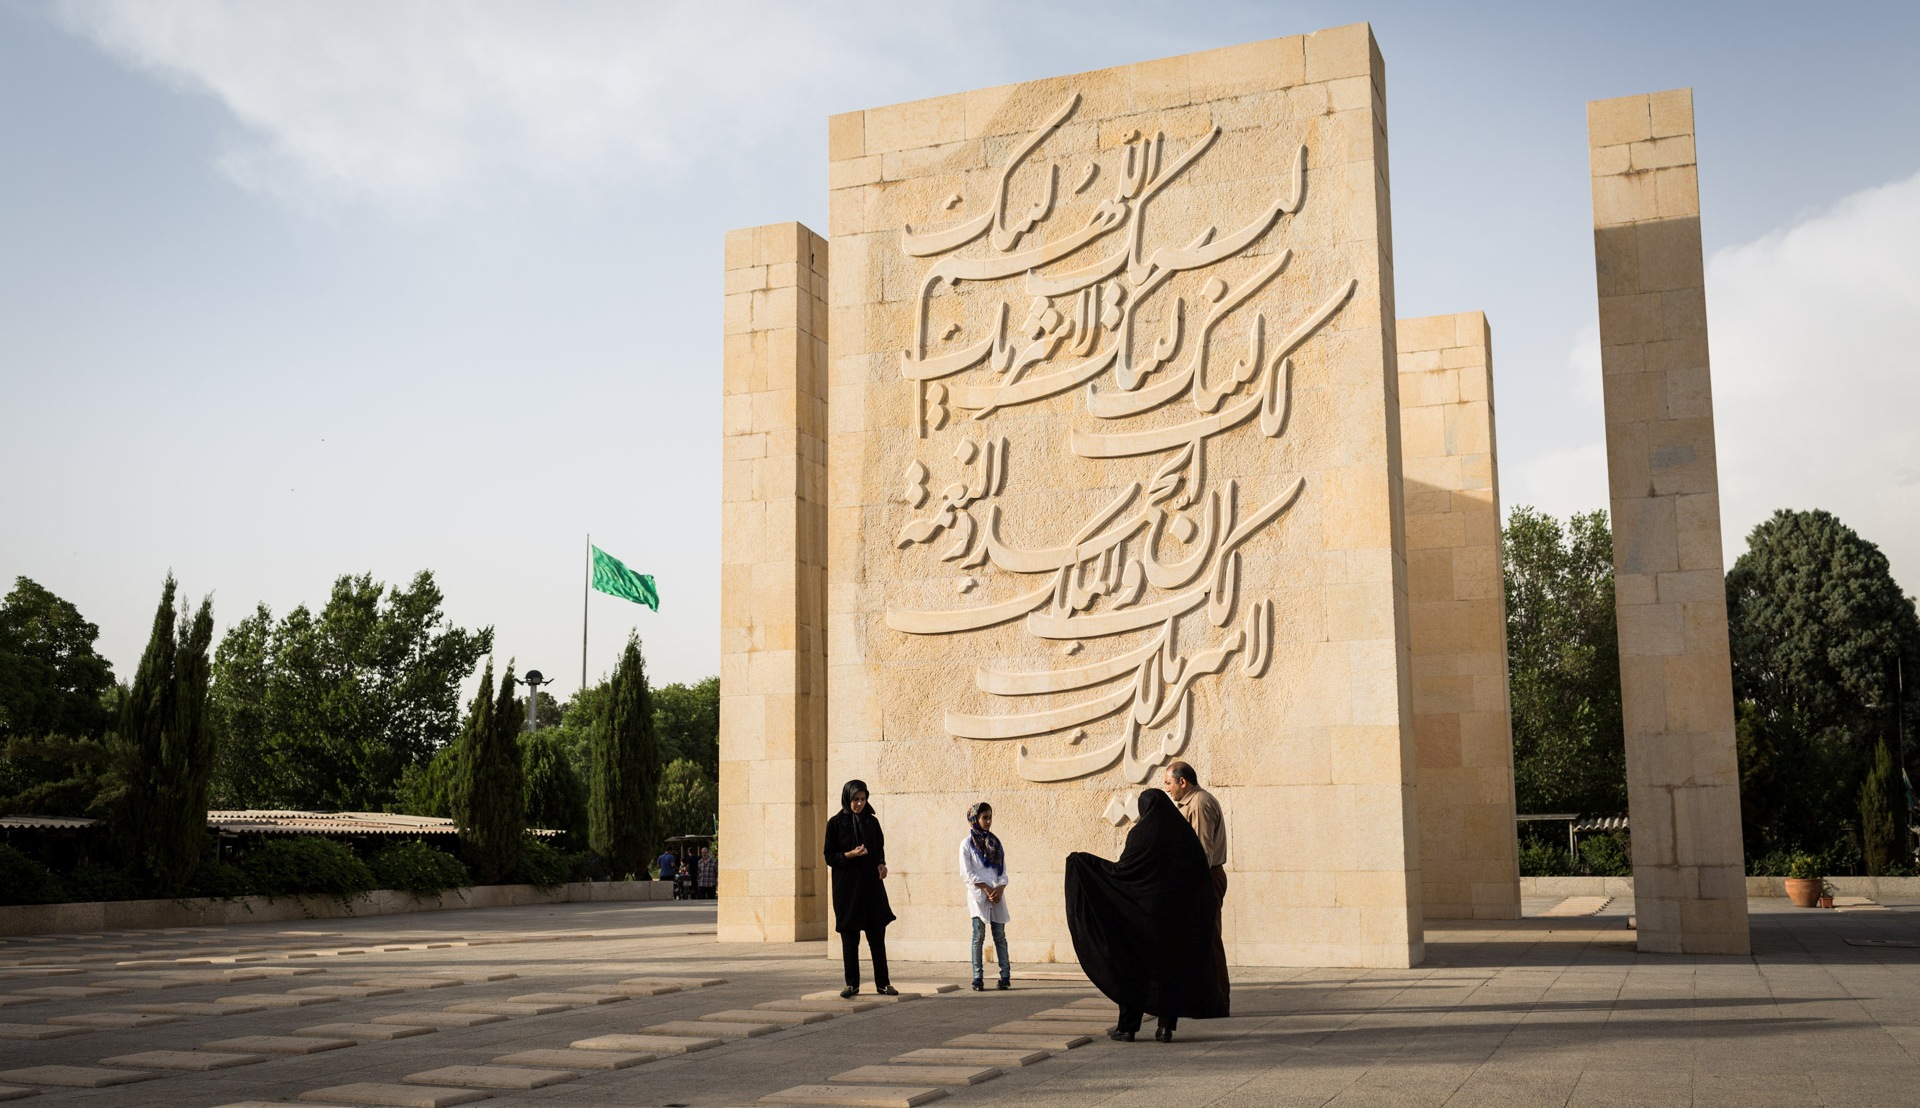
{"x":212,"y":878}
{"x":25,"y":881}
{"x":1607,"y":855}
{"x":1539,"y":858}
{"x":543,"y":866}
{"x":419,"y":869}
{"x":1803,"y":866}
{"x":90,"y":883}
{"x":307,"y":865}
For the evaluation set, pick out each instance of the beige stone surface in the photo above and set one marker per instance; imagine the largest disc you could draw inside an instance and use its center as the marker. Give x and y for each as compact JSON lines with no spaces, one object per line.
{"x":507,"y":1007}
{"x":398,"y":1096}
{"x":854,"y":1096}
{"x":916,"y":1075}
{"x":277,"y":1044}
{"x":773,"y":634}
{"x":34,"y":1031}
{"x":76,"y":1077}
{"x":114,"y":1020}
{"x":711,"y":1028}
{"x":193,"y":1061}
{"x":1469,"y":867}
{"x":784,"y":1019}
{"x":439,"y":1019}
{"x":945,"y":1055}
{"x":363,"y":1032}
{"x":1001,"y":1041}
{"x":491,"y":1077}
{"x":569,"y":998}
{"x":275,"y":1000}
{"x":11,"y":1092}
{"x":651,"y":1044}
{"x":1676,"y":684}
{"x":834,"y":1006}
{"x":1114,"y":478}
{"x":575,"y":1059}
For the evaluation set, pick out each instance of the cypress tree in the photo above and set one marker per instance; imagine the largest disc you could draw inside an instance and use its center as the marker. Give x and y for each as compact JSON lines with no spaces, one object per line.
{"x":164,"y":750}
{"x":1880,"y":844}
{"x":489,"y":803}
{"x":626,"y":769}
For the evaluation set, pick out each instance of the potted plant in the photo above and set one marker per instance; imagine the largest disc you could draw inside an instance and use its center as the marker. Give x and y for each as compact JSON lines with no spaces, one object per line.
{"x":1804,"y":883}
{"x":1826,"y":893}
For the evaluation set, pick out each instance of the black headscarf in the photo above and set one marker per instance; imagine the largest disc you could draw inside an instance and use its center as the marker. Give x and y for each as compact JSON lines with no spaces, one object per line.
{"x":859,"y":896}
{"x":1143,"y":927}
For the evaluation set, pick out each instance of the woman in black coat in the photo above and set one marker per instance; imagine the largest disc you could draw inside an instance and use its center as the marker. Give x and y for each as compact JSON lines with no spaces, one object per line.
{"x":1145,"y":927}
{"x":857,"y":851}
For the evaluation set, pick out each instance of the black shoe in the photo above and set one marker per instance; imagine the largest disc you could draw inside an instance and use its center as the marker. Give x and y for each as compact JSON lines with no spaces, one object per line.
{"x":978,"y":987}
{"x":1120,"y":1036}
{"x":849,"y":992}
{"x":1162,"y":1034}
{"x":887,"y":990}
{"x":1005,"y":983}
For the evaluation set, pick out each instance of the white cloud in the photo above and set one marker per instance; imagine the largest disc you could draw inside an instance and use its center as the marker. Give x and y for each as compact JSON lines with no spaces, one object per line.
{"x":406,"y":103}
{"x":1572,"y":476}
{"x":1816,"y":383}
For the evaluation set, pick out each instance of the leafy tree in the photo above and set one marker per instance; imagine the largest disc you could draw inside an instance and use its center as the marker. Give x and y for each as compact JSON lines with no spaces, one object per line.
{"x":489,"y":800}
{"x":1880,"y":843}
{"x":427,"y":788}
{"x":555,"y":797}
{"x":327,"y":711}
{"x":163,"y":749}
{"x":51,"y":680}
{"x":622,"y":817}
{"x":1563,"y":662}
{"x":1820,"y":634}
{"x":688,"y":800}
{"x":551,"y":710}
{"x":687,"y":720}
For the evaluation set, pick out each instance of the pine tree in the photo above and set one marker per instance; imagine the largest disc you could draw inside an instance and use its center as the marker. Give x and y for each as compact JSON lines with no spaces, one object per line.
{"x":490,"y":807}
{"x":164,"y":750}
{"x":1880,"y":843}
{"x":622,"y":813}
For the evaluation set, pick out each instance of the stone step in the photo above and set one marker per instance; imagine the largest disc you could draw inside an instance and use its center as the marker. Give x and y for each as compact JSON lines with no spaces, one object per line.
{"x":364,"y":1032}
{"x":864,"y":996}
{"x":507,"y":1008}
{"x":916,"y":1075}
{"x":345,"y":990}
{"x":926,"y":988}
{"x":680,"y":982}
{"x":570,"y":999}
{"x":1021,"y":1042}
{"x":490,"y":1077}
{"x":408,"y":981}
{"x":34,"y":1032}
{"x":193,"y":1061}
{"x":113,"y":1020}
{"x":1048,"y":1027}
{"x":768,"y":1015}
{"x":12,"y":1092}
{"x":76,"y":1077}
{"x":69,"y":992}
{"x":1094,"y":1002}
{"x":962,"y":1056}
{"x":1069,"y":1015}
{"x":277,"y":1044}
{"x":276,"y":1000}
{"x":11,"y":1001}
{"x":835,"y":1006}
{"x":153,"y":983}
{"x":697,"y":1028}
{"x":647,"y":1044}
{"x":191,"y":1008}
{"x":393,"y":1096}
{"x":476,"y":977}
{"x":441,"y":1020}
{"x":576,"y":1059}
{"x":855,"y":1096}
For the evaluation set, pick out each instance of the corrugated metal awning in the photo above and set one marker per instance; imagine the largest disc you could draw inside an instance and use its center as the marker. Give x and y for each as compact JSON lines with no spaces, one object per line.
{"x":1600,"y":823}
{"x":43,"y":822}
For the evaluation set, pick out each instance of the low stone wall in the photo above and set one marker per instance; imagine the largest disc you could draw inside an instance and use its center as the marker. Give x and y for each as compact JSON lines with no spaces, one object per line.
{"x":125,"y":915}
{"x":1895,"y":888}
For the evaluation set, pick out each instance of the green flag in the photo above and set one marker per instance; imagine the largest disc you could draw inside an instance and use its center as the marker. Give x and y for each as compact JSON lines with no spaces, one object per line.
{"x":615,"y":579}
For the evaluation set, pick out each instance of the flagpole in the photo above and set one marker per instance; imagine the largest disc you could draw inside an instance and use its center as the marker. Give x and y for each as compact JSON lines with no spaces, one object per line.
{"x":586,"y":584}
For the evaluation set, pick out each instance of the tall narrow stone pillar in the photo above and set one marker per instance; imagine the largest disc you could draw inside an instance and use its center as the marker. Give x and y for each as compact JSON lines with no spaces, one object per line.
{"x":1683,"y":783}
{"x":773,"y":707}
{"x":1458,"y":616}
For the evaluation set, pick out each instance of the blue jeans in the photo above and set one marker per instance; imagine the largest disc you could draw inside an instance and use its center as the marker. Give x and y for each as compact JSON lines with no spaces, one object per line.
{"x":999,"y":948}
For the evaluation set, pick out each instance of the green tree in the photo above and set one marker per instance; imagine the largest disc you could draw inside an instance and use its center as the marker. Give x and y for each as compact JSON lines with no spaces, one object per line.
{"x":163,"y":749}
{"x":556,"y":800}
{"x":490,"y":804}
{"x":52,"y":682}
{"x":1820,"y":633}
{"x":427,"y":788}
{"x":1563,"y":661}
{"x":327,"y":711}
{"x":622,"y":815}
{"x":687,"y":720}
{"x":1880,"y":843}
{"x":689,"y":802}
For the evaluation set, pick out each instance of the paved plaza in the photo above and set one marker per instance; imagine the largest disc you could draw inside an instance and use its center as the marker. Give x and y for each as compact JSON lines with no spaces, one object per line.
{"x":617,"y":1004}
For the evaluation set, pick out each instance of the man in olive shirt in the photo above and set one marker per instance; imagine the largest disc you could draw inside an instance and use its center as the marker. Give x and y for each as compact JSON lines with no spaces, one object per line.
{"x":1210,"y":824}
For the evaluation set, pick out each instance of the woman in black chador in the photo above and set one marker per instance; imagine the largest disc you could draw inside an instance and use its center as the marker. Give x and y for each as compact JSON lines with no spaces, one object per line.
{"x":857,"y":851}
{"x":1144,"y":926}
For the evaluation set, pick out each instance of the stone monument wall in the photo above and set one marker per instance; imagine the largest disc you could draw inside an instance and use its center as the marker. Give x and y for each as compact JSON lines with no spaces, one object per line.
{"x":1114,"y":478}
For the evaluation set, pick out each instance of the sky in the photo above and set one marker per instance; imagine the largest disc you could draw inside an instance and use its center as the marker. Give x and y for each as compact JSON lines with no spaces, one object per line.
{"x":318,"y":287}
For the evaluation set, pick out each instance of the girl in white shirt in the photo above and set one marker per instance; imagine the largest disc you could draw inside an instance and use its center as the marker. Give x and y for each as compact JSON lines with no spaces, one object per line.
{"x":983,"y":863}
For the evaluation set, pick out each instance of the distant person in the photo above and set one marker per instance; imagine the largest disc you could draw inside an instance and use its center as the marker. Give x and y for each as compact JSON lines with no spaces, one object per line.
{"x":668,"y":865}
{"x":1210,"y":824}
{"x":1145,"y":928}
{"x":683,"y":881}
{"x":983,"y":863}
{"x":856,"y":849}
{"x":706,"y":876}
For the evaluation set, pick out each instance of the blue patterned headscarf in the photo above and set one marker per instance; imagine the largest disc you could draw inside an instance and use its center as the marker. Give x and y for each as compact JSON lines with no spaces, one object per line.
{"x":985,"y":843}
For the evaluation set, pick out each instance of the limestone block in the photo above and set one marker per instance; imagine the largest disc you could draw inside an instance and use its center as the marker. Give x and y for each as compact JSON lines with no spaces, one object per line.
{"x":34,"y":1032}
{"x":76,"y":1077}
{"x":854,"y":1096}
{"x":441,"y":1020}
{"x":400,"y":1096}
{"x":363,"y":1032}
{"x":491,"y":1077}
{"x":193,"y":1061}
{"x":277,"y":1044}
{"x":942,"y":1055}
{"x":648,"y":1044}
{"x":575,"y":1059}
{"x":916,"y":1075}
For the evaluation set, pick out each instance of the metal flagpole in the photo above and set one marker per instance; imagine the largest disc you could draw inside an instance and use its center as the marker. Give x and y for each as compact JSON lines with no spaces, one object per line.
{"x":586,"y":587}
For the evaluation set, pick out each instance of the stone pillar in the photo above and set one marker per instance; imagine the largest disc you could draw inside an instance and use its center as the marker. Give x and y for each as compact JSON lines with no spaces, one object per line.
{"x":773,"y":587}
{"x":1458,"y":616}
{"x":1683,"y":782}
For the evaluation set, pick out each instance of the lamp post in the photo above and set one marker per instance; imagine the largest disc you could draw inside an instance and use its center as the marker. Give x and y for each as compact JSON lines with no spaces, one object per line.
{"x":533,"y":680}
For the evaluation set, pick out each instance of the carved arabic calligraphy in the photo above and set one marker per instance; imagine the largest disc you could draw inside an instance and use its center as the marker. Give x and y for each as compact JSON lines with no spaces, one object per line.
{"x":1080,"y":302}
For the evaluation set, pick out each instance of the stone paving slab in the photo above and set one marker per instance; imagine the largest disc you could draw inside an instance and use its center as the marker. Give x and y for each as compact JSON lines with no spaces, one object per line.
{"x":364,"y":1032}
{"x":277,"y":1044}
{"x":76,"y":1077}
{"x":393,"y":1096}
{"x":1070,"y":1015}
{"x":570,"y":999}
{"x":337,"y":991}
{"x":1092,"y":1002}
{"x":491,"y":1077}
{"x":409,"y":981}
{"x":153,"y":983}
{"x":10,"y":1000}
{"x":567,"y":1058}
{"x":33,"y":1032}
{"x":624,"y":990}
{"x":862,"y":997}
{"x":698,"y":1028}
{"x":926,"y":988}
{"x":682,"y":982}
{"x":1049,"y":1027}
{"x":854,"y":1096}
{"x":194,"y":1061}
{"x":507,"y":1008}
{"x":441,"y":1020}
{"x":193,"y":1008}
{"x":479,"y":978}
{"x":654,"y":1044}
{"x":835,"y":1006}
{"x":10,"y":1092}
{"x":1020,"y":1042}
{"x":276,"y":1000}
{"x":766,"y":1015}
{"x":114,"y":1020}
{"x":963,"y":1056}
{"x":69,"y":992}
{"x":916,"y":1075}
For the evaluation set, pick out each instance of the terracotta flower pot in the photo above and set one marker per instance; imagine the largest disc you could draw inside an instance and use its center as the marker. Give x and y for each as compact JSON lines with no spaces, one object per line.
{"x":1803,"y":891}
{"x":1826,"y":902}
